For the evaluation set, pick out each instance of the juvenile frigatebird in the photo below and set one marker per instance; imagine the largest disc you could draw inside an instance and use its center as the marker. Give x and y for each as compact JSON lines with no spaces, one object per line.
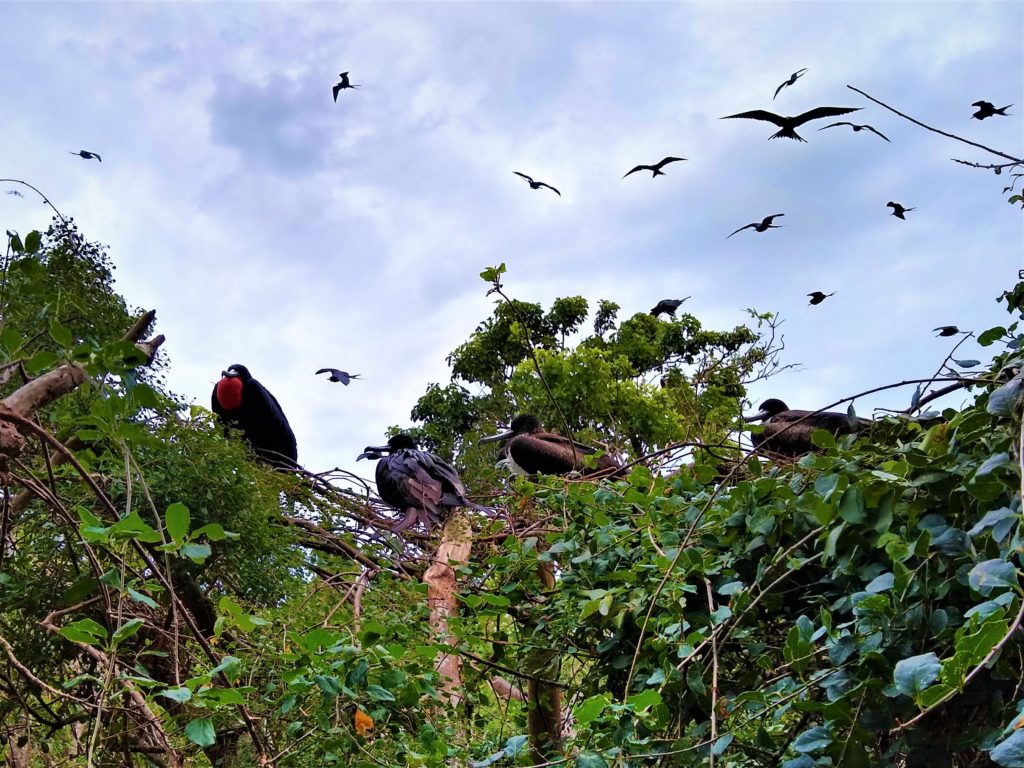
{"x":244,"y":403}
{"x":947,"y":330}
{"x":788,"y":125}
{"x":533,"y":451}
{"x":343,"y":376}
{"x":537,"y":184}
{"x":817,"y":297}
{"x":667,"y":306}
{"x":792,"y":80}
{"x":416,"y":483}
{"x":898,"y":210}
{"x":656,"y":168}
{"x":86,"y":155}
{"x":988,"y":109}
{"x":857,"y":129}
{"x":788,"y":432}
{"x":766,"y":224}
{"x":342,"y":85}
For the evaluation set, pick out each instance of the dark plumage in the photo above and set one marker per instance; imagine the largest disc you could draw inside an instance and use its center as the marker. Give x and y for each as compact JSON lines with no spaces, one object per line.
{"x":857,"y":129}
{"x":988,"y":109}
{"x":537,"y":184}
{"x":342,"y":85}
{"x":764,"y":225}
{"x":792,"y":79}
{"x":667,"y":306}
{"x":898,"y":210}
{"x":14,"y":192}
{"x":533,"y":450}
{"x":86,"y":155}
{"x":788,"y":125}
{"x":416,"y":483}
{"x":244,"y":403}
{"x":343,"y":376}
{"x":656,"y":168}
{"x":947,"y":330}
{"x":817,"y":297}
{"x":788,"y":432}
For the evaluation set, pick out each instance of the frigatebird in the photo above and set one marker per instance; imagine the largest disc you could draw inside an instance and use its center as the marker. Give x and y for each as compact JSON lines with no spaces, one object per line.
{"x":343,"y":376}
{"x":244,"y":403}
{"x":537,"y":184}
{"x":766,"y":224}
{"x":898,"y":210}
{"x":667,"y":306}
{"x":416,"y":483}
{"x":656,"y":168}
{"x":788,"y":125}
{"x":817,"y":297}
{"x":86,"y":155}
{"x":14,"y":192}
{"x":947,"y":330}
{"x":792,"y":79}
{"x":342,"y":85}
{"x":988,"y":109}
{"x":532,"y":450}
{"x":788,"y":432}
{"x":858,"y":129}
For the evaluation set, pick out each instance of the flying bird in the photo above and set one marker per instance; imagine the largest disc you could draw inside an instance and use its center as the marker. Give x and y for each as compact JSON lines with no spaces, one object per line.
{"x":788,"y":125}
{"x":766,"y":224}
{"x":537,"y":184}
{"x":343,"y":376}
{"x":857,"y":129}
{"x":667,"y":306}
{"x":342,"y":85}
{"x":788,"y":432}
{"x":532,"y":450}
{"x":416,"y":483}
{"x":656,"y":168}
{"x":86,"y":155}
{"x":14,"y":192}
{"x":898,"y":210}
{"x":817,"y":297}
{"x":244,"y":403}
{"x":988,"y":109}
{"x":792,"y":79}
{"x":947,"y":330}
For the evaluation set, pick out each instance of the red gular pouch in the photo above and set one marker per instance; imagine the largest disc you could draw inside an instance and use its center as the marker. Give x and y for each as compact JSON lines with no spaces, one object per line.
{"x":229,"y":393}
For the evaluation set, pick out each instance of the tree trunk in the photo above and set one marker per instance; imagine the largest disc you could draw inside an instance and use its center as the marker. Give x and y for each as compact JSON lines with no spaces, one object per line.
{"x":454,"y":548}
{"x":544,"y":718}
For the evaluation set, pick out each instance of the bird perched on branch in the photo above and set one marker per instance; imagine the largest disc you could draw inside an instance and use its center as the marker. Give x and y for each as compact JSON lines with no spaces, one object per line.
{"x":788,"y":125}
{"x":86,"y":155}
{"x":947,"y":330}
{"x":788,"y":432}
{"x":857,"y":128}
{"x":343,"y":376}
{"x":342,"y":85}
{"x":817,"y":297}
{"x":988,"y":109}
{"x":667,"y":306}
{"x":764,"y":225}
{"x":244,"y":403}
{"x":792,"y":80}
{"x":537,"y":184}
{"x":532,"y":450}
{"x":898,"y":210}
{"x":656,"y":168}
{"x":416,"y":483}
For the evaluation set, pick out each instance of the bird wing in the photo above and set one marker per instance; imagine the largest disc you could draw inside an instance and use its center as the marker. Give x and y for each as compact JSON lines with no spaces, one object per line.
{"x":529,"y":179}
{"x":760,"y":114}
{"x":332,"y":371}
{"x":541,"y":183}
{"x":819,"y":112}
{"x":878,"y":133}
{"x":275,"y":416}
{"x":640,"y":168}
{"x":336,"y":90}
{"x":779,"y":89}
{"x":773,"y":217}
{"x":667,"y":160}
{"x":833,"y":125}
{"x":741,"y":229}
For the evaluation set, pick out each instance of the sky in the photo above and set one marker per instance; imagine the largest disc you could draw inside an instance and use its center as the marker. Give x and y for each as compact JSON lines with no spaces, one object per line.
{"x":270,"y":226}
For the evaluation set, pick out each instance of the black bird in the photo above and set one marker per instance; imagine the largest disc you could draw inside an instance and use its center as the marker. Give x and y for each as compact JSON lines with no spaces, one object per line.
{"x":532,"y":450}
{"x":789,"y":124}
{"x":668,"y":306}
{"x":416,"y":483}
{"x":14,"y":192}
{"x":898,"y":210}
{"x":342,"y":85}
{"x":766,"y":224}
{"x":947,"y":330}
{"x":792,"y":79}
{"x":537,"y":184}
{"x":788,"y":432}
{"x":656,"y":168}
{"x":817,"y":297}
{"x":988,"y":109}
{"x":857,"y":129}
{"x":86,"y":155}
{"x":343,"y":376}
{"x":244,"y":403}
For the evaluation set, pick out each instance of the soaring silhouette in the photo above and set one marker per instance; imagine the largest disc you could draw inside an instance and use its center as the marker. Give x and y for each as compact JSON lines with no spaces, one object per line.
{"x":817,"y":297}
{"x":788,"y":432}
{"x":243,"y":402}
{"x":667,"y":306}
{"x":988,"y":109}
{"x":857,"y":129}
{"x":947,"y":330}
{"x":86,"y":155}
{"x":416,"y":483}
{"x":533,"y":450}
{"x":343,"y":376}
{"x":898,"y":210}
{"x":342,"y":85}
{"x":537,"y":184}
{"x":763,"y":226}
{"x":792,"y":80}
{"x":14,"y":192}
{"x":788,"y":125}
{"x":656,"y":168}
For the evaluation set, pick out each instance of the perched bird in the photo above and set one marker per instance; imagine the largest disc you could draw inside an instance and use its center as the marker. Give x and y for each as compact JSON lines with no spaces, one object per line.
{"x":343,"y":376}
{"x":817,"y":297}
{"x":244,"y":403}
{"x":947,"y":330}
{"x":988,"y":109}
{"x":898,"y":210}
{"x":857,"y":129}
{"x":14,"y":192}
{"x":86,"y":155}
{"x":792,"y":79}
{"x":533,"y":450}
{"x":416,"y":483}
{"x":766,"y":224}
{"x":342,"y":85}
{"x":668,"y":306}
{"x":788,"y":125}
{"x":537,"y":184}
{"x":788,"y":432}
{"x":656,"y":168}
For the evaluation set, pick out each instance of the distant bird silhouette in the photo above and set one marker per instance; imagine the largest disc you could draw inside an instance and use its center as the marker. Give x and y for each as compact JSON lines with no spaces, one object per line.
{"x":14,"y":192}
{"x":988,"y":109}
{"x":342,"y":85}
{"x":817,"y":297}
{"x":533,"y":450}
{"x":86,"y":155}
{"x":667,"y":306}
{"x":792,"y":79}
{"x":947,"y":330}
{"x":766,"y":224}
{"x":789,"y":124}
{"x":537,"y":184}
{"x":336,"y":375}
{"x":243,"y":402}
{"x":656,"y":168}
{"x":898,"y":210}
{"x":858,"y":129}
{"x":788,"y":432}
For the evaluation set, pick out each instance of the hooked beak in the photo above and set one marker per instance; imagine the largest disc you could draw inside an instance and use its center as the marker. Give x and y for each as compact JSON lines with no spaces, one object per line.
{"x":373,"y":452}
{"x":229,"y":374}
{"x":500,"y":437}
{"x":760,"y":416}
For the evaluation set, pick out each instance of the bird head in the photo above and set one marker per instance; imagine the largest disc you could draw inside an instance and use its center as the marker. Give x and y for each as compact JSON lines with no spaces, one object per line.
{"x":523,"y":424}
{"x":237,"y":370}
{"x":770,"y":407}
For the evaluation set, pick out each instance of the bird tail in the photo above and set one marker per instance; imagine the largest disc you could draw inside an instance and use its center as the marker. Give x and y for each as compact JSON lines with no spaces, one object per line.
{"x":787,"y":133}
{"x":1002,"y":110}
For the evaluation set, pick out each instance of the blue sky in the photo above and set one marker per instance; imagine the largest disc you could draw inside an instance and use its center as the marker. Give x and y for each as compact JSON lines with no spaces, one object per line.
{"x":272,"y":227}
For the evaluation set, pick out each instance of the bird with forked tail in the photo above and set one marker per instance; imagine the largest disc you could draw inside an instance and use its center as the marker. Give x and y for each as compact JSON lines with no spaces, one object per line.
{"x":343,"y":376}
{"x":656,"y":168}
{"x":788,"y":125}
{"x":988,"y":109}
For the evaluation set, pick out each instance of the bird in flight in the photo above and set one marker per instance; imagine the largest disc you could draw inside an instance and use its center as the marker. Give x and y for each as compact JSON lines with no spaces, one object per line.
{"x":898,"y":210}
{"x":656,"y":168}
{"x":792,"y":79}
{"x":858,"y":129}
{"x":988,"y":109}
{"x":766,"y":223}
{"x":947,"y":330}
{"x":343,"y":376}
{"x":537,"y":184}
{"x":342,"y":85}
{"x":789,"y":124}
{"x":817,"y":297}
{"x":667,"y":306}
{"x":86,"y":155}
{"x":14,"y":192}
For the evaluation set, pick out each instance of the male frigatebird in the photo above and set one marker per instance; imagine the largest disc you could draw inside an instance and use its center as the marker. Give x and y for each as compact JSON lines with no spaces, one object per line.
{"x":817,"y":297}
{"x":857,"y":128}
{"x":988,"y":109}
{"x":947,"y":330}
{"x":656,"y":168}
{"x":788,"y":125}
{"x":86,"y":155}
{"x":244,"y":403}
{"x":788,"y":432}
{"x":763,"y":226}
{"x":532,"y":450}
{"x":792,"y":79}
{"x":342,"y":85}
{"x":898,"y":210}
{"x":343,"y":376}
{"x":537,"y":184}
{"x":667,"y":306}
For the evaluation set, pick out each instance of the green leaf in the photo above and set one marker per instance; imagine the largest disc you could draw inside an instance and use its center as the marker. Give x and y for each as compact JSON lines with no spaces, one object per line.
{"x":60,"y":334}
{"x":992,"y":574}
{"x":32,"y":241}
{"x":177,"y":521}
{"x":851,"y":507}
{"x":1009,"y":753}
{"x":180,"y":695}
{"x":590,"y":759}
{"x":84,"y":631}
{"x":915,"y":674}
{"x":126,"y":630}
{"x":15,"y":240}
{"x":966,"y":363}
{"x":644,"y":699}
{"x":591,"y":708}
{"x":196,"y":552}
{"x":812,"y":740}
{"x":377,"y":693}
{"x":722,"y":744}
{"x":201,"y":732}
{"x":992,"y":335}
{"x":131,"y":526}
{"x":514,"y":745}
{"x":992,"y":463}
{"x":141,"y":598}
{"x":214,"y":532}
{"x":881,"y":583}
{"x":329,"y":684}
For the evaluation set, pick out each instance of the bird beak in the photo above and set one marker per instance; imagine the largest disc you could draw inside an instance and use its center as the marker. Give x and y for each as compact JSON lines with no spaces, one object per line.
{"x":373,"y":452}
{"x":496,"y":438}
{"x":759,"y":416}
{"x":228,"y":374}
